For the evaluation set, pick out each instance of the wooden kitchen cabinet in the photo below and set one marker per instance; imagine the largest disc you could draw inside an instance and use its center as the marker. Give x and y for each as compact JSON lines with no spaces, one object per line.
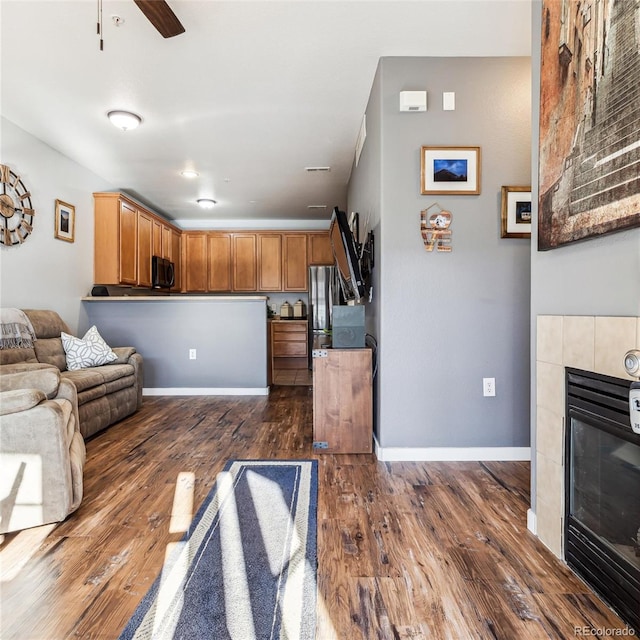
{"x":219,"y":257}
{"x":127,"y":250}
{"x":126,"y":235}
{"x":175,"y":255}
{"x":269,"y":262}
{"x":167,"y":245}
{"x":157,"y":238}
{"x":194,"y":252}
{"x":289,"y":345}
{"x":342,"y":401}
{"x":295,"y":264}
{"x":244,"y":262}
{"x":319,"y":246}
{"x":115,"y":242}
{"x":145,"y":249}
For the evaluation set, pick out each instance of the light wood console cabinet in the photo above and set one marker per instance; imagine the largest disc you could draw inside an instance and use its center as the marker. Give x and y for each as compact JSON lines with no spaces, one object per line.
{"x":342,"y":401}
{"x":126,"y":235}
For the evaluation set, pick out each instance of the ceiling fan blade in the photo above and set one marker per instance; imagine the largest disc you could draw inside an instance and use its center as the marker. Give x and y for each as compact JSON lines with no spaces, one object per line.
{"x":159,"y":13}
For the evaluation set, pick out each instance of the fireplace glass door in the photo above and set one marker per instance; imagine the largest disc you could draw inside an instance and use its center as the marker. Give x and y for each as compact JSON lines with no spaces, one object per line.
{"x":602,"y":491}
{"x":605,"y":488}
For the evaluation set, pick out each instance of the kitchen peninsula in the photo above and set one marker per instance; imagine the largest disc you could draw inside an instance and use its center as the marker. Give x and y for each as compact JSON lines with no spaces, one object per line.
{"x":226,"y":334}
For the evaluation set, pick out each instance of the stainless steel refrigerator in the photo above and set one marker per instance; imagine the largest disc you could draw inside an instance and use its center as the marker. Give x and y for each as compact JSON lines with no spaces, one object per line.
{"x":324,"y":292}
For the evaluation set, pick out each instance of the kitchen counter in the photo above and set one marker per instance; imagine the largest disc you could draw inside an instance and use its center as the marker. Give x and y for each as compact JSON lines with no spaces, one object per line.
{"x":214,"y":345}
{"x":173,"y":298}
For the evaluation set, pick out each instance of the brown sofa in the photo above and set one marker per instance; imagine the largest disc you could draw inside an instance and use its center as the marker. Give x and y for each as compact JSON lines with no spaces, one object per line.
{"x":42,"y":452}
{"x":106,"y":393}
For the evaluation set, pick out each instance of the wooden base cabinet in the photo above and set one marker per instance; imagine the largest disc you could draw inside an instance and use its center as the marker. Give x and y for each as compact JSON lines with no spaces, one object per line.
{"x":289,"y":345}
{"x":342,"y":401}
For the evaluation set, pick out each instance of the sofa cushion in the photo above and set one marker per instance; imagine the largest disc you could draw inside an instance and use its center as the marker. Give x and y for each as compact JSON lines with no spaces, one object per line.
{"x":111,"y":372}
{"x":89,"y":351}
{"x":84,"y":379}
{"x":11,"y":356}
{"x":50,"y":351}
{"x":46,"y":323}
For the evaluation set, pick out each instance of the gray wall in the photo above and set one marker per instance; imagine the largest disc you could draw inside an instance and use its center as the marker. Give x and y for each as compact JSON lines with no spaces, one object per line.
{"x":600,"y":276}
{"x":230,"y":338}
{"x":44,"y":272}
{"x":448,"y":320}
{"x":365,"y":197}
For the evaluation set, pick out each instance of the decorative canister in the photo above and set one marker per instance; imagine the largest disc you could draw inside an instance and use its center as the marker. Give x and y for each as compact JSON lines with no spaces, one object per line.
{"x":298,"y":310}
{"x":286,"y":310}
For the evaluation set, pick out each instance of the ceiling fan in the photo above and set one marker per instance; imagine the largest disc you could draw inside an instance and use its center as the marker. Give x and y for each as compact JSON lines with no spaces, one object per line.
{"x":160,"y":15}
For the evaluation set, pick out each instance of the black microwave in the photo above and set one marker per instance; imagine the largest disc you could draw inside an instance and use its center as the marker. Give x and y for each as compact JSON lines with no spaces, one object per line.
{"x":162,"y":273}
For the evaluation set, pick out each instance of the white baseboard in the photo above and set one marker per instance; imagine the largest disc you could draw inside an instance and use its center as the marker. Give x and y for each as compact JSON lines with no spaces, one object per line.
{"x":532,"y":523}
{"x":451,"y":454}
{"x":206,"y":391}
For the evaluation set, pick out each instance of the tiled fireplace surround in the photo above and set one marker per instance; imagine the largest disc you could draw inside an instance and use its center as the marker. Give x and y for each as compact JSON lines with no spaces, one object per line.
{"x":591,"y":343}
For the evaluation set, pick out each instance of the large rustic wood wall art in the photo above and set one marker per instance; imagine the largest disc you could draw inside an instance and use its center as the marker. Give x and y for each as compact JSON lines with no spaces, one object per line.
{"x":589,"y":120}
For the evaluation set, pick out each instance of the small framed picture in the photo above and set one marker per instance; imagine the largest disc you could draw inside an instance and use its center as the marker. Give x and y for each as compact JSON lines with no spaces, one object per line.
{"x":450,"y":170}
{"x":516,"y":212}
{"x":65,"y":221}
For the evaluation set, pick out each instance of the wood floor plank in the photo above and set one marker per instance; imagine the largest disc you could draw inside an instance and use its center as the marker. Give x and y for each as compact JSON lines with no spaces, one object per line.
{"x":436,"y":551}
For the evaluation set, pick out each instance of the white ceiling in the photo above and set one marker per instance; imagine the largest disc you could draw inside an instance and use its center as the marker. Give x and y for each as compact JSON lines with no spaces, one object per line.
{"x":249,"y":96}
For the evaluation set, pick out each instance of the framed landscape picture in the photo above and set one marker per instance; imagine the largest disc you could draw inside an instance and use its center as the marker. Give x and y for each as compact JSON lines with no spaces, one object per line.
{"x":516,"y":212}
{"x":65,"y":221}
{"x":450,"y":170}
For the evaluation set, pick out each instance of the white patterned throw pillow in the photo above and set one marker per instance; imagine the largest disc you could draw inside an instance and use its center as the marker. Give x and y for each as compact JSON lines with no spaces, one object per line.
{"x":89,"y":351}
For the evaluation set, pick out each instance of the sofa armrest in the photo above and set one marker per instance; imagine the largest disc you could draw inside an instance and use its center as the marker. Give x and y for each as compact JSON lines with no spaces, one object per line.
{"x":41,"y":465}
{"x":123,"y":353}
{"x":44,"y":377}
{"x":20,"y":400}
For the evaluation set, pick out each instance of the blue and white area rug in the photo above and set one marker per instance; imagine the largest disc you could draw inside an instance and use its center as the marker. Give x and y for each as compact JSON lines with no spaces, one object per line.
{"x":246,"y":568}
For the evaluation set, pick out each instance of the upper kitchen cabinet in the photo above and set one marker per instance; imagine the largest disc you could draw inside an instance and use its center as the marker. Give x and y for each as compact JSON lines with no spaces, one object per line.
{"x":319,"y":246}
{"x":245,"y":263}
{"x":115,"y":240}
{"x":219,"y":257}
{"x":295,"y":263}
{"x":270,"y":262}
{"x":126,"y":235}
{"x":194,"y":259}
{"x":145,"y":248}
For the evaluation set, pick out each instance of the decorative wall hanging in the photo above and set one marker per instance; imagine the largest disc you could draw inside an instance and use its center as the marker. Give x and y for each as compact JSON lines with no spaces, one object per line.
{"x":16,"y":210}
{"x":65,"y":221}
{"x":516,"y":212}
{"x":435,"y":231}
{"x":450,"y":170}
{"x":589,"y":126}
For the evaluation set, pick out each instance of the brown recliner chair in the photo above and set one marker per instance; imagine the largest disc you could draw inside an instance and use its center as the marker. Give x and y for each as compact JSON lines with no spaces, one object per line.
{"x":42,"y":452}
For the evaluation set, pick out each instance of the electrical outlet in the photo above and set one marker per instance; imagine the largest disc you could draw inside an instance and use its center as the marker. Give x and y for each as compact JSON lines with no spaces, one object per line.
{"x":192,"y":354}
{"x":488,"y":386}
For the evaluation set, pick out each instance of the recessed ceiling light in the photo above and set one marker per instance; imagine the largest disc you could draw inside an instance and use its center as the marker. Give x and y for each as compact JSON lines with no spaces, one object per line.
{"x":206,"y":203}
{"x":124,"y":120}
{"x":312,"y":169}
{"x":189,"y":173}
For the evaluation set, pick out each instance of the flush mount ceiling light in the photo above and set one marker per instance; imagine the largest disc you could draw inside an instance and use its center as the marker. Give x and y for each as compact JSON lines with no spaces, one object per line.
{"x":124,"y":120}
{"x":206,"y":203}
{"x":189,"y":173}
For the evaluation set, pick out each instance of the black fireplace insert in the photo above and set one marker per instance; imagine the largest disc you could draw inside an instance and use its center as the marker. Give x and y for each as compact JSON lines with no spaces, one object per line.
{"x":602,"y":491}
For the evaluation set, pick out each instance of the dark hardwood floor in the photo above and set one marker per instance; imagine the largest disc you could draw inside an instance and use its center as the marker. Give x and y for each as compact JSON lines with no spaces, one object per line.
{"x":405,"y":550}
